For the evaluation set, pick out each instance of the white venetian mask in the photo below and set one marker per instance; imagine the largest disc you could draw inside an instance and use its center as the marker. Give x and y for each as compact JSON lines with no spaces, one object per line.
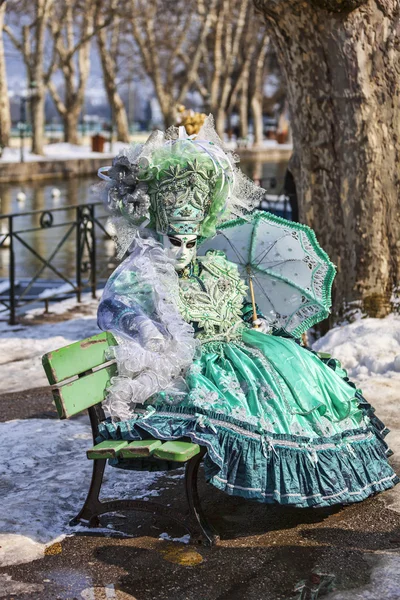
{"x":182,"y":248}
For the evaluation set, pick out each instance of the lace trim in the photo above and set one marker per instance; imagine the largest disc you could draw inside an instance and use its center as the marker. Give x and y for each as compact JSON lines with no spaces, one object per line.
{"x":351,"y":439}
{"x":277,"y":492}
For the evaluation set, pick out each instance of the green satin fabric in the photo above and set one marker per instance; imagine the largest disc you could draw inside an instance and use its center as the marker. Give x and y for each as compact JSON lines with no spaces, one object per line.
{"x":273,"y":383}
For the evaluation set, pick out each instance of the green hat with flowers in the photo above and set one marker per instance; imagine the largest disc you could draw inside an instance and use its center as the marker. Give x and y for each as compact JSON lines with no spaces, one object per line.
{"x":179,"y":184}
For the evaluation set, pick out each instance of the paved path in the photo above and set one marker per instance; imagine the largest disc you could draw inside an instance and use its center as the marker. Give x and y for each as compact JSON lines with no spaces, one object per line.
{"x":264,"y":551}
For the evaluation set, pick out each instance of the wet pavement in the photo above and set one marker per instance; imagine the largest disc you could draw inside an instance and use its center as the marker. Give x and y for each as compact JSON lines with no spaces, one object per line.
{"x":265,"y":552}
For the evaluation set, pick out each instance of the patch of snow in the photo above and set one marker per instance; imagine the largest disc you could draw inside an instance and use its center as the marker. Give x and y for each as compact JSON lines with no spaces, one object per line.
{"x":9,"y":587}
{"x":239,"y":144}
{"x":5,"y":286}
{"x":62,"y":308}
{"x":57,"y":290}
{"x":11,"y":545}
{"x":384,"y":583}
{"x":185,"y":539}
{"x":24,"y":345}
{"x":369,"y":350}
{"x":92,"y":593}
{"x":61,"y":151}
{"x":366,"y":347}
{"x":44,"y":479}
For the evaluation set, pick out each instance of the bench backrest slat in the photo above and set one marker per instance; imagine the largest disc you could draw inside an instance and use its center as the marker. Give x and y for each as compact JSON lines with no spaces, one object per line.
{"x":77,"y":358}
{"x":72,"y":398}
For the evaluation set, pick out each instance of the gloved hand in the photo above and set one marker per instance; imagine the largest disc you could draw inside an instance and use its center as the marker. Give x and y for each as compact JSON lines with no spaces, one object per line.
{"x":261,"y":325}
{"x":150,"y":337}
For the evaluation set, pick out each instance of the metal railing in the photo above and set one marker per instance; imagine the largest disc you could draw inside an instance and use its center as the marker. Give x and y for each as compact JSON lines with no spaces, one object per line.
{"x":275,"y":201}
{"x":81,"y":226}
{"x":78,"y":223}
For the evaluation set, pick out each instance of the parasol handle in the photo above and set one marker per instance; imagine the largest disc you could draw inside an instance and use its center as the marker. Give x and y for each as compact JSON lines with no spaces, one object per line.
{"x":253,"y":300}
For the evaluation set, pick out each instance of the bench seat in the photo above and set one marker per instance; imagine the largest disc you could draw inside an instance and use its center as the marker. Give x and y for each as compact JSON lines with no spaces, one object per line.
{"x":171,"y":451}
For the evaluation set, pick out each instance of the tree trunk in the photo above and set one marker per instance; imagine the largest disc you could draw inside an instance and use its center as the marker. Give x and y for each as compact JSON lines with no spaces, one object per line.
{"x":109,"y":66}
{"x":73,"y":27}
{"x":32,"y":48}
{"x":35,"y":68}
{"x":244,"y":110}
{"x":169,"y":116}
{"x":120,"y":119}
{"x":220,"y":121}
{"x":37,"y":117}
{"x":341,"y":64}
{"x":257,"y":88}
{"x":257,"y":113}
{"x":5,"y":119}
{"x":71,"y":121}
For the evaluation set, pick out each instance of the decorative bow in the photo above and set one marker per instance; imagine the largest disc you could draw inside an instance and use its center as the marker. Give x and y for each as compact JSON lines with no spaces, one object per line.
{"x":202,"y":421}
{"x":267,"y":446}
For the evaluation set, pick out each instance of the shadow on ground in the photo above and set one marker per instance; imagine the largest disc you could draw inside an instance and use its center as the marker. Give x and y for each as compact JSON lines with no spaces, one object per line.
{"x":264,"y":552}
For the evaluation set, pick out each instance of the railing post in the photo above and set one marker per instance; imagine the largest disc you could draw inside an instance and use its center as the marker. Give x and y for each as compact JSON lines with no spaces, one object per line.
{"x":12,"y":272}
{"x":78,"y":254}
{"x":93,"y":266}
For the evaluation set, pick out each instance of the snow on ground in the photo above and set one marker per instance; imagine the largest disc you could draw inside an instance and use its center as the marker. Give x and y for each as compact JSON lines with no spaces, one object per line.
{"x":50,"y":454}
{"x":238,"y":144}
{"x":43,"y":482}
{"x":60,"y":151}
{"x":65,"y":151}
{"x":65,"y":288}
{"x":384,"y":583}
{"x":23,"y":345}
{"x":367,"y":347}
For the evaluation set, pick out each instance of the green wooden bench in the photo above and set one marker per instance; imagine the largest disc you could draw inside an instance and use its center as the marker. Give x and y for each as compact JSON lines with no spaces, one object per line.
{"x":79,"y":375}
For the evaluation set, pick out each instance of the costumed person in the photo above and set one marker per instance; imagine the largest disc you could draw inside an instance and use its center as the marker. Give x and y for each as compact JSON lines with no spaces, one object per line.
{"x":197,"y":359}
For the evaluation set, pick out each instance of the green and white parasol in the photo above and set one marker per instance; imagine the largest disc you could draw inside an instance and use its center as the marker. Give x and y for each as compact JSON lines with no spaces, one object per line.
{"x":290,"y":276}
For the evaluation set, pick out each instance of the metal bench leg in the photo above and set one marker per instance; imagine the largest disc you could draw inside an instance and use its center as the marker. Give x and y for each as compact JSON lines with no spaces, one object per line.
{"x":92,"y":506}
{"x":211,"y":537}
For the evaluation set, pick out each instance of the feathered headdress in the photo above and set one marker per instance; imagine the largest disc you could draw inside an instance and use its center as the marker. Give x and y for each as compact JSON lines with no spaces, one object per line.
{"x":175,"y":183}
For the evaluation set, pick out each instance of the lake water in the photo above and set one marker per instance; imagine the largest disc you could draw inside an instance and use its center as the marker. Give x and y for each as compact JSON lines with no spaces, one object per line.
{"x":39,"y":197}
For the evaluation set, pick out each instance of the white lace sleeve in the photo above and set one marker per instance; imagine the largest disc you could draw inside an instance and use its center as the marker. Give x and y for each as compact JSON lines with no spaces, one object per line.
{"x":155,"y":344}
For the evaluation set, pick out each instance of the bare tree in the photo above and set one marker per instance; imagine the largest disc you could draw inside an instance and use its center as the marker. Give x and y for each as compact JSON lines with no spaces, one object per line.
{"x":170,"y":35}
{"x":30,"y":40}
{"x":256,"y":89}
{"x":250,"y":78}
{"x":239,"y":83}
{"x":227,"y":57}
{"x":109,"y":45}
{"x":229,"y":32}
{"x":5,"y":118}
{"x":73,"y":25}
{"x":341,"y":62}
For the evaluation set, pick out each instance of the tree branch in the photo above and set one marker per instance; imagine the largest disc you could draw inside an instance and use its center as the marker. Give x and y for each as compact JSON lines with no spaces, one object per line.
{"x":7,"y":29}
{"x":56,"y":98}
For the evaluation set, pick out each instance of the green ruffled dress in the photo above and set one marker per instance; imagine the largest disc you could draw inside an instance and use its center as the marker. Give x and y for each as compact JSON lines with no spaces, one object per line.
{"x":279,"y":423}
